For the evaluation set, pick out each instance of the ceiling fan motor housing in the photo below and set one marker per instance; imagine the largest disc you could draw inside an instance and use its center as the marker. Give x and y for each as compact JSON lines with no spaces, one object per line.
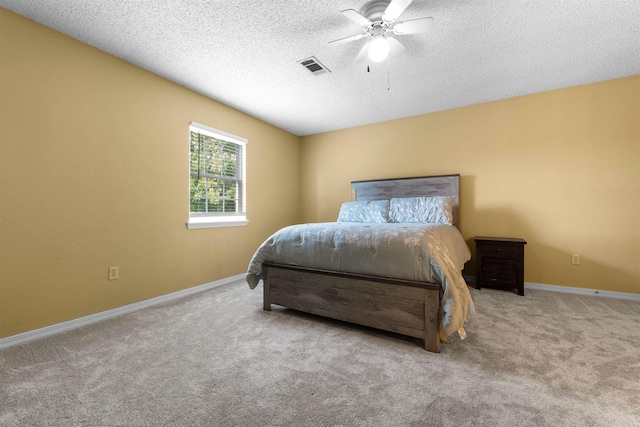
{"x":374,"y":11}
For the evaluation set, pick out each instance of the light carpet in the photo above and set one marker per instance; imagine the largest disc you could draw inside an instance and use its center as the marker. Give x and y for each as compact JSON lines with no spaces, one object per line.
{"x":218,"y":359}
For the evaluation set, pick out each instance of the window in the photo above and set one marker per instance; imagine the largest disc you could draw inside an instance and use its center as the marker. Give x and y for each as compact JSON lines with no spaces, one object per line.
{"x":216,"y":178}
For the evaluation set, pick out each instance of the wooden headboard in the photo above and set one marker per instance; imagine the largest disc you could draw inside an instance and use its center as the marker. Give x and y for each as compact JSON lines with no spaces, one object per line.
{"x":387,"y":189}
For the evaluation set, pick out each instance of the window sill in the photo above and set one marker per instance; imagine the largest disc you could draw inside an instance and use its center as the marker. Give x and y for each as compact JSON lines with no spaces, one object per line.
{"x":213,"y":222}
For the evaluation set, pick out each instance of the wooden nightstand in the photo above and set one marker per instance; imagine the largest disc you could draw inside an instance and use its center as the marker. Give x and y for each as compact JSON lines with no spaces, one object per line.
{"x":500,"y":263}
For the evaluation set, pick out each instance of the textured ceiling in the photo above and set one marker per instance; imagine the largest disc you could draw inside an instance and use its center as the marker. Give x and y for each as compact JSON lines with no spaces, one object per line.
{"x":245,"y":53}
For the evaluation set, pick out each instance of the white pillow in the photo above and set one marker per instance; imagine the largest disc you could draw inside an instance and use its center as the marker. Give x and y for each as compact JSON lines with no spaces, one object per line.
{"x":375,"y":211}
{"x":436,"y":209}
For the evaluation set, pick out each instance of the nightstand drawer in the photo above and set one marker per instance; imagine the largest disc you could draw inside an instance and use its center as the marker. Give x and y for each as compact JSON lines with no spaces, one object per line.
{"x":502,"y":272}
{"x":499,"y":251}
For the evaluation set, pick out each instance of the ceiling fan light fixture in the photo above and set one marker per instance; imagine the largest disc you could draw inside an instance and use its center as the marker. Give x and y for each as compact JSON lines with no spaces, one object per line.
{"x":378,"y":49}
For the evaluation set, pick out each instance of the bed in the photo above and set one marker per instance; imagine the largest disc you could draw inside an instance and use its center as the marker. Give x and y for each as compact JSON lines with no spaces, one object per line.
{"x":342,"y":279}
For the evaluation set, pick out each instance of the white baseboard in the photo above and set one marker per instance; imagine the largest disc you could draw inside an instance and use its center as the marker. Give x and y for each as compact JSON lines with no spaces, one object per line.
{"x":583,"y":291}
{"x":571,"y":290}
{"x":109,"y":314}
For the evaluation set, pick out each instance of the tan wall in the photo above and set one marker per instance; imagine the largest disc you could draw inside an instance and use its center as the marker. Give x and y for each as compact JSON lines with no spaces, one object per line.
{"x":94,"y":173}
{"x":560,"y":169}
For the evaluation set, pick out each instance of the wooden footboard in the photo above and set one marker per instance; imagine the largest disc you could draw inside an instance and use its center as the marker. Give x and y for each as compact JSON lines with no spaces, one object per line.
{"x":401,"y":306}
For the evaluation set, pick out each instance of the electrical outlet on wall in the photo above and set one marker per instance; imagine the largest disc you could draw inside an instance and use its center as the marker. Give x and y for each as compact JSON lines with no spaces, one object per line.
{"x":113,"y":273}
{"x":575,"y":259}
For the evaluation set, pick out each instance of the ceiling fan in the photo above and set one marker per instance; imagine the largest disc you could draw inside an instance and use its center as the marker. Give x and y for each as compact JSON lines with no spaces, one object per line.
{"x":379,"y":23}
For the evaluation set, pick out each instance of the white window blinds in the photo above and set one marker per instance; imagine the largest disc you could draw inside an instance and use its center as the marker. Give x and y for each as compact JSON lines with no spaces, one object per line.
{"x":216,"y":172}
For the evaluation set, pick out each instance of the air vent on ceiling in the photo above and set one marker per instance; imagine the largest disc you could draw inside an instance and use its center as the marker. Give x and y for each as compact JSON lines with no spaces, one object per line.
{"x":313,"y":65}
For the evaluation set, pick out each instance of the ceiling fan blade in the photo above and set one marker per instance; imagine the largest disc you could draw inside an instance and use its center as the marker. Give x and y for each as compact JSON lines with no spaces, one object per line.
{"x":356,"y":17}
{"x":348,"y":39}
{"x":363,"y":53}
{"x":395,"y":47}
{"x":414,"y":26}
{"x":395,"y":9}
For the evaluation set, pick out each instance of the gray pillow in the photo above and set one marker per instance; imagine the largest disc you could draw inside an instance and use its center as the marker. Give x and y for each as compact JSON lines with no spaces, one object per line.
{"x":375,"y":211}
{"x":436,"y":209}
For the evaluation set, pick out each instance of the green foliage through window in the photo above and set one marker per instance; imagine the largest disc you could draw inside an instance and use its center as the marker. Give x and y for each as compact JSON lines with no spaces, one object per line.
{"x":215,"y":175}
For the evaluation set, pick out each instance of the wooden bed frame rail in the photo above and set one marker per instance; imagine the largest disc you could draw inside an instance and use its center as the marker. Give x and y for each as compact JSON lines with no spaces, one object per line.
{"x":401,"y":306}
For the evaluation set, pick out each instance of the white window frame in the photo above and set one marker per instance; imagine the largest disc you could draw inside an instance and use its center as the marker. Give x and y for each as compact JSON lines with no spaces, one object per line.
{"x":211,"y":220}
